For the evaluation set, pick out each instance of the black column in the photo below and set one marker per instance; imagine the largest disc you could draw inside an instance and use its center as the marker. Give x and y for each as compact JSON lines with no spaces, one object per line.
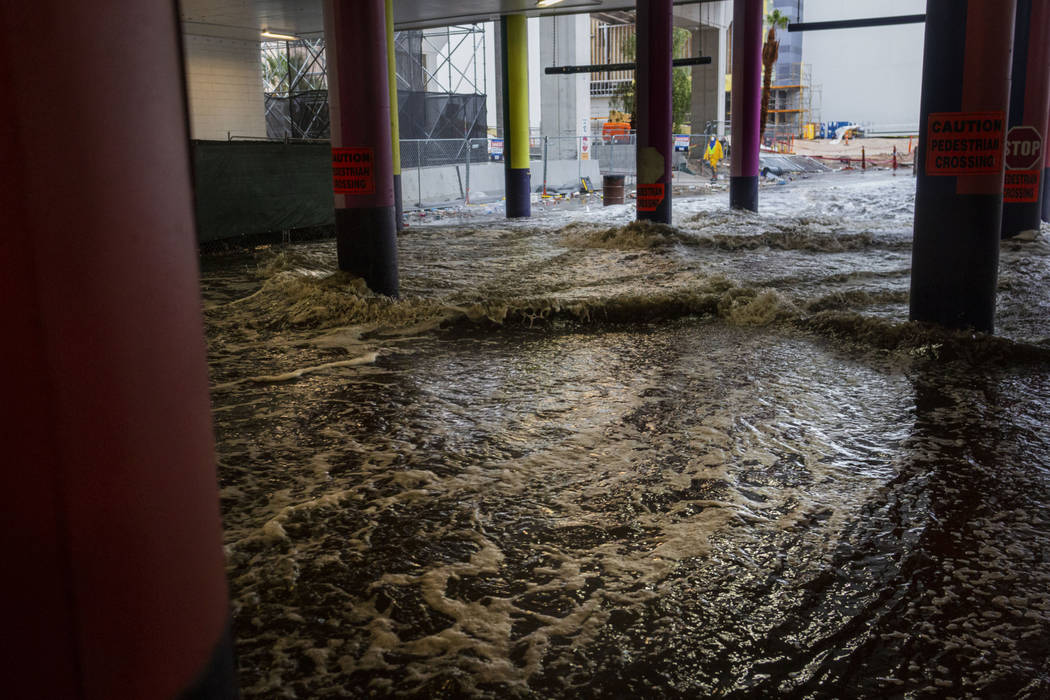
{"x":959,"y":165}
{"x":655,"y":147}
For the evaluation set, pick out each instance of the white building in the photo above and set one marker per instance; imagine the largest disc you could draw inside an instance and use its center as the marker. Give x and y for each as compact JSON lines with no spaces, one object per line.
{"x":873,"y":75}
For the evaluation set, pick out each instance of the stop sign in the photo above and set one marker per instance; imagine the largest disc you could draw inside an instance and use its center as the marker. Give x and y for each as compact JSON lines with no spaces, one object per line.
{"x":1024,"y":148}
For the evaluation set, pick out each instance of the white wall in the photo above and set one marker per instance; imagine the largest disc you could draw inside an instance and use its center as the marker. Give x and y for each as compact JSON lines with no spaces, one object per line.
{"x":871,"y":75}
{"x":224,"y":85}
{"x":535,"y":70}
{"x":565,"y":99}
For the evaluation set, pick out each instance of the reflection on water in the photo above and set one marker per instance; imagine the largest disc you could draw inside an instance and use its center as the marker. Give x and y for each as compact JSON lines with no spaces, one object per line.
{"x":587,"y":458}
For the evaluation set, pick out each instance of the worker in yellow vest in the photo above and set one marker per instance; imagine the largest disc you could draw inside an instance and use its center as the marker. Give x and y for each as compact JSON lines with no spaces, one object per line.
{"x":712,"y":155}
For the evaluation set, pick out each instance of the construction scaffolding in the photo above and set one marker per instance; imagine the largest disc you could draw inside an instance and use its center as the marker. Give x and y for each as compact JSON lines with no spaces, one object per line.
{"x":440,"y":85}
{"x":295,"y":86}
{"x":791,"y":98}
{"x":441,"y":89}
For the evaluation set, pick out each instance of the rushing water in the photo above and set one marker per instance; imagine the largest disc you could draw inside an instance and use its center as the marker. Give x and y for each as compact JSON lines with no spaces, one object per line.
{"x":586,"y":458}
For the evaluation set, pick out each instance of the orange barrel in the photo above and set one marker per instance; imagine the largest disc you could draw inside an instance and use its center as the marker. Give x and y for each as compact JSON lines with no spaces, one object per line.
{"x":612,"y":189}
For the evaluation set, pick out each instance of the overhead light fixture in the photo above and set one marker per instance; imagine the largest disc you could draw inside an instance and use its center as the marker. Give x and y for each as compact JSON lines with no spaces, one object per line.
{"x":277,"y":35}
{"x":547,"y":3}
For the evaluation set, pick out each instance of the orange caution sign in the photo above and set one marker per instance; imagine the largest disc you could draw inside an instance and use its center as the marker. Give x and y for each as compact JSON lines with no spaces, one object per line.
{"x":353,"y":171}
{"x":965,"y":143}
{"x":650,"y":196}
{"x":1021,"y":186}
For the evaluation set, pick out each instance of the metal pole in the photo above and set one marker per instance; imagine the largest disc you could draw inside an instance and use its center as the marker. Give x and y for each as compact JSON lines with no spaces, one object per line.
{"x":395,"y":125}
{"x":545,"y":141}
{"x":419,"y":173}
{"x":856,"y":23}
{"x":291,"y":102}
{"x":609,"y":67}
{"x":467,"y":198}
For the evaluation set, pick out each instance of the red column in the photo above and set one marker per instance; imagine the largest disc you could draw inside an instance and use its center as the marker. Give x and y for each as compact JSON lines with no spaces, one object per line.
{"x":114,"y":583}
{"x":1029,"y":103}
{"x":362,"y":162}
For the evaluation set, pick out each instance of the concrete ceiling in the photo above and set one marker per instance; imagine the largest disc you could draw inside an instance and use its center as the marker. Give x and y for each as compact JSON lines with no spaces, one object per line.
{"x":245,"y":19}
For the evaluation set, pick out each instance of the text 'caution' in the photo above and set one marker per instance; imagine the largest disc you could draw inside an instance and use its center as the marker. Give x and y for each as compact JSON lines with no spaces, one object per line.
{"x":353,"y":171}
{"x":965,"y":143}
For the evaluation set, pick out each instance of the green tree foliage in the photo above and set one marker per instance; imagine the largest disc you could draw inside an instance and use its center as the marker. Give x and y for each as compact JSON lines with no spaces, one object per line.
{"x":625,"y":92}
{"x":681,"y":82}
{"x":281,"y":65}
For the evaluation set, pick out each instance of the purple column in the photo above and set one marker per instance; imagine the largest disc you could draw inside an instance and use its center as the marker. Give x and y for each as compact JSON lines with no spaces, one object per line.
{"x":746,"y":104}
{"x":655,"y":141}
{"x":362,"y":163}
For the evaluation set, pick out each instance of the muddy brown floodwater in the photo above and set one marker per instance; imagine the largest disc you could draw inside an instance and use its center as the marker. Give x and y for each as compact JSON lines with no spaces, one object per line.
{"x":582,"y":457}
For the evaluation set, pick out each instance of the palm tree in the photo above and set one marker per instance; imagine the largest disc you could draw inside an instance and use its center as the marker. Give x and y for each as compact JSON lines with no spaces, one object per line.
{"x":288,"y":67}
{"x":770,"y":52}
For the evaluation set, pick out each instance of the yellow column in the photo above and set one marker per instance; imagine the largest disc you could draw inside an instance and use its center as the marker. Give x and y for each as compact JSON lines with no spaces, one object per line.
{"x":395,"y":127}
{"x":515,"y":50}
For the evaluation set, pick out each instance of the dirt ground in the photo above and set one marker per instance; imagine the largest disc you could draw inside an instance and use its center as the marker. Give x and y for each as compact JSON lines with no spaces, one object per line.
{"x":876,"y":150}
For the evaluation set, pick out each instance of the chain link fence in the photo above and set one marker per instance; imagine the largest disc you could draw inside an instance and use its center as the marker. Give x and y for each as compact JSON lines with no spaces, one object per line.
{"x":616,"y":154}
{"x":446,"y":172}
{"x":437,"y":172}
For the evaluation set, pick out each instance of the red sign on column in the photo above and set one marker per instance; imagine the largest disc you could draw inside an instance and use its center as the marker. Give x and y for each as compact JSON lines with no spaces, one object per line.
{"x":1024,"y":160}
{"x":353,"y":171}
{"x":965,"y":143}
{"x":1024,"y":148}
{"x":650,"y":196}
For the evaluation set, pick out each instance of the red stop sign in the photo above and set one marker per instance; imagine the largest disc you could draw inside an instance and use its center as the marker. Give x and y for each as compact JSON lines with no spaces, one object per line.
{"x":1024,"y":148}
